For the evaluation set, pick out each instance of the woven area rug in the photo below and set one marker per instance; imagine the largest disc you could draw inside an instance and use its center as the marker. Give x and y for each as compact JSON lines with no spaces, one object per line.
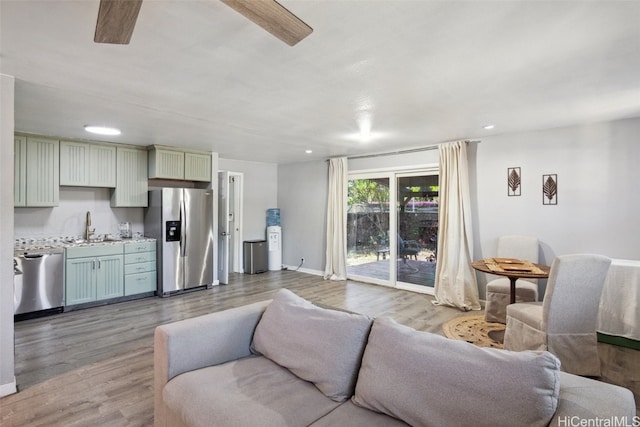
{"x":473,"y":329}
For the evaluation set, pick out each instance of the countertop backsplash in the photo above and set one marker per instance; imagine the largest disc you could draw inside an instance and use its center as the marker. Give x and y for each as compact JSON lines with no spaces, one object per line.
{"x":68,"y":219}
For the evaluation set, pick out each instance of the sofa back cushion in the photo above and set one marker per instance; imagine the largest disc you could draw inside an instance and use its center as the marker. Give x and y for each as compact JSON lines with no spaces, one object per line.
{"x":426,"y":379}
{"x":318,"y":345}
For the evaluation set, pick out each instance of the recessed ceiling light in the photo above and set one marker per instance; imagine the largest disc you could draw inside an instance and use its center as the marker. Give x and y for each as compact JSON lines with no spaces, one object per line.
{"x":308,"y":151}
{"x":488,"y":127}
{"x":102,"y":130}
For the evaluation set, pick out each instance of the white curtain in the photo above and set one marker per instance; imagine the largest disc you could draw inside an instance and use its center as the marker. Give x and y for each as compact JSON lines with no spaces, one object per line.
{"x":455,"y":283}
{"x":336,"y":267}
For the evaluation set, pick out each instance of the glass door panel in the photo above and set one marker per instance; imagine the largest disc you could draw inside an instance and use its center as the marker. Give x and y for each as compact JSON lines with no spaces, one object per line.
{"x":417,"y":230}
{"x":368,"y":244}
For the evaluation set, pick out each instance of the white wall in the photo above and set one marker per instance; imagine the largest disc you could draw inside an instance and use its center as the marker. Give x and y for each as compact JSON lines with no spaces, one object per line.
{"x":260,"y":193}
{"x":302,"y":199}
{"x":598,"y":168}
{"x":68,"y":219}
{"x":7,"y":378}
{"x":396,"y":161}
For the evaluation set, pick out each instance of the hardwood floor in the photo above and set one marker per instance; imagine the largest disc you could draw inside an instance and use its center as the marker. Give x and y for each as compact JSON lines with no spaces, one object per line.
{"x":95,"y":366}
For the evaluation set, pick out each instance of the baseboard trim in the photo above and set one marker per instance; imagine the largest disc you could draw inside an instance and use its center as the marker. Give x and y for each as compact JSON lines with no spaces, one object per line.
{"x":305,"y":270}
{"x":9,"y":388}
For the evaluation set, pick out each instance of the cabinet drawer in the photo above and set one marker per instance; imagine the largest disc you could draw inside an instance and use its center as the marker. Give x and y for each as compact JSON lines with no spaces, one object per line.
{"x":92,"y":251}
{"x":135,"y":247}
{"x":140,"y":257}
{"x":141,"y":267}
{"x":139,"y":283}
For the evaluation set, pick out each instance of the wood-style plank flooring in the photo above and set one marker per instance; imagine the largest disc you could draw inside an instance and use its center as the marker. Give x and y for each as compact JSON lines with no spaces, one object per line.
{"x":95,"y":366}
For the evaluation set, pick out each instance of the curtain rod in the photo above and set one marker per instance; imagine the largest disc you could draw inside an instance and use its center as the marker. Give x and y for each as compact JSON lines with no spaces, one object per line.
{"x":408,"y":151}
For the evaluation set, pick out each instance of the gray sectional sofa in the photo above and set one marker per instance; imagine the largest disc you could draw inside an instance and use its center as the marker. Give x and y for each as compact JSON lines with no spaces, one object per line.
{"x":287,"y":362}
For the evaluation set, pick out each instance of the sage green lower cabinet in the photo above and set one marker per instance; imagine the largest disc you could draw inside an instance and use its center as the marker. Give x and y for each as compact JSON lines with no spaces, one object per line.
{"x":94,"y":273}
{"x":139,"y":267}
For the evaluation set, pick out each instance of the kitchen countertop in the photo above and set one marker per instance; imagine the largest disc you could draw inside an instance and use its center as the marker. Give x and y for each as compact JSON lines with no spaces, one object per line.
{"x":58,"y":243}
{"x":106,"y":242}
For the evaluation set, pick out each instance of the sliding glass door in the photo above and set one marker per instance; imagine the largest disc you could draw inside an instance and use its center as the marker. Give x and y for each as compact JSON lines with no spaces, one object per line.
{"x":417,"y":230}
{"x":405,"y":257}
{"x":368,"y":226}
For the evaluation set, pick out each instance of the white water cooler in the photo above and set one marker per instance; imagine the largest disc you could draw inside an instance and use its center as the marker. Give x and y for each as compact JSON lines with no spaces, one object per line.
{"x":274,"y":243}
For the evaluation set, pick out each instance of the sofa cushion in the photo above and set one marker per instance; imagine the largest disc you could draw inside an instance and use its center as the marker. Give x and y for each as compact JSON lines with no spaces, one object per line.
{"x":426,"y":379}
{"x":318,"y":345}
{"x":253,"y":391}
{"x":348,"y":414}
{"x":591,"y":399}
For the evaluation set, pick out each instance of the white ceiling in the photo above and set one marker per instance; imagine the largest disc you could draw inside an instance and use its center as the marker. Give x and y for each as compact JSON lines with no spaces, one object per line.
{"x":198,"y":74}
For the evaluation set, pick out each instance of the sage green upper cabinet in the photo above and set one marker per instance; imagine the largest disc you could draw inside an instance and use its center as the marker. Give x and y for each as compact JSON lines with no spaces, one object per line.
{"x":197,"y":166}
{"x":175,"y":163}
{"x":131,"y":178}
{"x":87,"y":164}
{"x":20,"y":171}
{"x":166,"y":163}
{"x":42,"y":172}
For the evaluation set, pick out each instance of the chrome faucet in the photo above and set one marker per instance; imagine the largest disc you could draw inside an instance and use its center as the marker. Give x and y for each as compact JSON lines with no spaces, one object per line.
{"x":88,"y":232}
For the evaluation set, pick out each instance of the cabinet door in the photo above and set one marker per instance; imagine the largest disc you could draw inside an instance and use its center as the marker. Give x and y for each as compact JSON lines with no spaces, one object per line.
{"x":131,"y":178}
{"x":74,"y":163}
{"x":43,"y":175}
{"x":109,"y":277}
{"x":102,"y":160}
{"x":197,"y":167}
{"x":80,"y":286}
{"x":87,"y":165}
{"x":20,"y":171}
{"x":167,"y":164}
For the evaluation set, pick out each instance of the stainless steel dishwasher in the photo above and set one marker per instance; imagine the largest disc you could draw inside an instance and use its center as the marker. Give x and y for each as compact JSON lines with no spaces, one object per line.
{"x":40,"y":287}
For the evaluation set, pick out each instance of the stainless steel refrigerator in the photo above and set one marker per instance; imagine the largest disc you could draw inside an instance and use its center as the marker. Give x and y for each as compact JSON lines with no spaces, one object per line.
{"x":181,"y":219}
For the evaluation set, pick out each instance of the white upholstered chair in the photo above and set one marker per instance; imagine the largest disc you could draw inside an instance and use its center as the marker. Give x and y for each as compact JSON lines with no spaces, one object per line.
{"x":499,"y":290}
{"x":564,"y":323}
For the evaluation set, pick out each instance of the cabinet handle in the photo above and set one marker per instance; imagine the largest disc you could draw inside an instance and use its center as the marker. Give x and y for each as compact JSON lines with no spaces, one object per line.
{"x":99,"y":266}
{"x":93,"y":264}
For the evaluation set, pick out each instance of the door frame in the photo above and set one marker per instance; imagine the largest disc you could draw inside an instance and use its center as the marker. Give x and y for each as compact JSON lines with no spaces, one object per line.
{"x":236,"y":205}
{"x":223,"y":227}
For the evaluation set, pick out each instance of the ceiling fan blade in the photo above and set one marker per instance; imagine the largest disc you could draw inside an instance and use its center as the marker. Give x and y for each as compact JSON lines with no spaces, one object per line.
{"x":116,"y":19}
{"x":273,"y":17}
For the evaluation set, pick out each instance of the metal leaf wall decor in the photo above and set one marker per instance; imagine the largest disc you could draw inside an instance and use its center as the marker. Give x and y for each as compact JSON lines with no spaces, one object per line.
{"x":514,"y":180}
{"x":550,"y":189}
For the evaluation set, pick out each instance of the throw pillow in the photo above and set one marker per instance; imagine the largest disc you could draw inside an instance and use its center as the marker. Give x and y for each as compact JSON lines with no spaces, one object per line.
{"x":427,"y":379}
{"x":318,"y":345}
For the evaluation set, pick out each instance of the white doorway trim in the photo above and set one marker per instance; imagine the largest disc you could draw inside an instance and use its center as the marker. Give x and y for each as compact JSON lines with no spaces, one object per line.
{"x":236,"y":188}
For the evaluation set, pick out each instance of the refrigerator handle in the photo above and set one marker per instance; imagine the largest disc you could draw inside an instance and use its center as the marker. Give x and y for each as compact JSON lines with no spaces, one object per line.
{"x":183,"y":229}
